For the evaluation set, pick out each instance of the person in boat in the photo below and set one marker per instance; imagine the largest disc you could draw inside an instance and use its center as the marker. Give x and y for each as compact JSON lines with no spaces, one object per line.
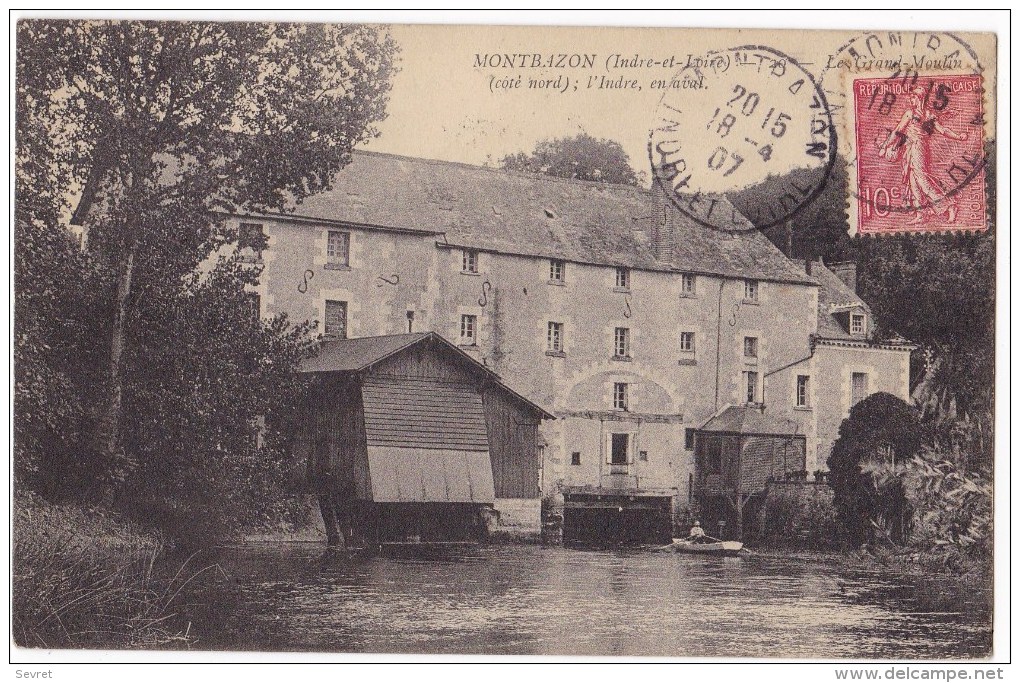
{"x":697,"y":534}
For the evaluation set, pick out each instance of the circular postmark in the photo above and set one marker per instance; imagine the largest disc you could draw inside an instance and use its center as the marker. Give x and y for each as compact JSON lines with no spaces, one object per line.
{"x":913,"y":131}
{"x":749,"y":143}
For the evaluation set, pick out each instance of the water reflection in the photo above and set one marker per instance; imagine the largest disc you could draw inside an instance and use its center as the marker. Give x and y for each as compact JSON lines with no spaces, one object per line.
{"x":534,"y":600}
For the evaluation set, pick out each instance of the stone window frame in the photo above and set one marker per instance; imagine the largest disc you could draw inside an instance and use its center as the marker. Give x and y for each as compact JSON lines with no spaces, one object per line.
{"x":338,"y":258}
{"x":751,"y":393}
{"x":866,"y":393}
{"x":557,"y":271}
{"x":750,"y":346}
{"x":344,"y":306}
{"x":752,"y":291}
{"x":621,"y":343}
{"x":245,"y":233}
{"x":802,"y":392}
{"x":469,"y":261}
{"x":555,"y":333}
{"x":468,"y":329}
{"x":623,"y":278}
{"x":621,"y":396}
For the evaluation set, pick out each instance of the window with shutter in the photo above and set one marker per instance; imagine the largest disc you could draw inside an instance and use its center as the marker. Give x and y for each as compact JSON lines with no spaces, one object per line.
{"x":858,"y":387}
{"x":336,"y":319}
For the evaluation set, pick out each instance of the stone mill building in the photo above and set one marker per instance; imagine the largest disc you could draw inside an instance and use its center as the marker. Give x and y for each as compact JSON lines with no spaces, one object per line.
{"x":684,"y":366}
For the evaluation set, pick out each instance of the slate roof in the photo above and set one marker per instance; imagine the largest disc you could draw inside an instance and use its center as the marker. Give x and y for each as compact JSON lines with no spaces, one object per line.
{"x":535,"y":215}
{"x":354,"y":355}
{"x":747,"y":419}
{"x":834,"y":295}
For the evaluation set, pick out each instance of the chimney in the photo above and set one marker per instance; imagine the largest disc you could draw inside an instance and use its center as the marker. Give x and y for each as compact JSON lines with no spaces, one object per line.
{"x":663,"y":227}
{"x":847,"y":272}
{"x":807,"y":265}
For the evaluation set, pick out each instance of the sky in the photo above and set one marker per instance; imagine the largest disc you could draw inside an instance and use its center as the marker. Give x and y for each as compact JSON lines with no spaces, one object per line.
{"x":442,"y":107}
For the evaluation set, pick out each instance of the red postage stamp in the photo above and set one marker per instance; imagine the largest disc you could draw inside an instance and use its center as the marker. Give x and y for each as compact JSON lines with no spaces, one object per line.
{"x":920,"y":154}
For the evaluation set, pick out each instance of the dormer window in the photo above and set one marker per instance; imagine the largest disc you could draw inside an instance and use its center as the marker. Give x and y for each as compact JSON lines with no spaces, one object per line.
{"x":750,"y":347}
{"x":621,"y":343}
{"x":857,"y":323}
{"x":620,"y":396}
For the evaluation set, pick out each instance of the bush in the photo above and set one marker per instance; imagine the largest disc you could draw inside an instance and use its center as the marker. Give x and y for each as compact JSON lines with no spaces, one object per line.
{"x":802,"y":518}
{"x":871,"y":507}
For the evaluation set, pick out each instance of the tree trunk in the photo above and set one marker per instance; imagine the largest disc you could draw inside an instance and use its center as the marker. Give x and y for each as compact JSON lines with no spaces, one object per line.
{"x":115,"y":463}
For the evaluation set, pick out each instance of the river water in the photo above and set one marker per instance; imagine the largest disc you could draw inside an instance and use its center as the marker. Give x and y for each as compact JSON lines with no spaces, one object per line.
{"x":533,"y":600}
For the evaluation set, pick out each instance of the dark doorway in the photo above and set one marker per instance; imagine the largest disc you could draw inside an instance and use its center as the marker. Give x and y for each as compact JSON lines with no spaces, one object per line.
{"x":618,"y":456}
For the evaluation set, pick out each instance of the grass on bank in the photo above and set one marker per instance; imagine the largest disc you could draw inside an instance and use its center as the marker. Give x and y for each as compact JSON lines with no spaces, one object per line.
{"x":84,"y":578}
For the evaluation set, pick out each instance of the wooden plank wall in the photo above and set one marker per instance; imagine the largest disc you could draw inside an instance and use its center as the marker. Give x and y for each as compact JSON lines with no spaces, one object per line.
{"x":423,"y":413}
{"x":513,"y":445}
{"x":338,"y":452}
{"x":424,"y":361}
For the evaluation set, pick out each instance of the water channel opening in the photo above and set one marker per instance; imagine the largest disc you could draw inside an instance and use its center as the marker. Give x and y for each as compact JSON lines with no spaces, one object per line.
{"x":613,"y":519}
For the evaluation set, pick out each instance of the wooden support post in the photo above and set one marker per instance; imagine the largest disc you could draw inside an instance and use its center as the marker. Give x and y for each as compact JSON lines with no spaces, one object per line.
{"x":328,"y":509}
{"x":741,"y":501}
{"x":763,"y":522}
{"x":737,"y":502}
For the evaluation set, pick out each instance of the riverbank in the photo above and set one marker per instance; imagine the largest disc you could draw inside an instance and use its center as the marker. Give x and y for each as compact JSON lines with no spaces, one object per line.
{"x":85,"y":578}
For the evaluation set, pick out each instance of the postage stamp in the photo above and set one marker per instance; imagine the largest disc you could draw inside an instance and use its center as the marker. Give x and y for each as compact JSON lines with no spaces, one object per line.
{"x":915,"y":124}
{"x":920,"y":161}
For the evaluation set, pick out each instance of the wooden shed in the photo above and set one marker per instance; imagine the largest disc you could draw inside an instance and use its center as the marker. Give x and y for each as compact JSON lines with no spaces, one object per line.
{"x":736,"y":454}
{"x":407,"y":439}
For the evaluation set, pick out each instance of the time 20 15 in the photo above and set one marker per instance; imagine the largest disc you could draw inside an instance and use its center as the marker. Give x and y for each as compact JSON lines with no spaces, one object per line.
{"x":745,"y":103}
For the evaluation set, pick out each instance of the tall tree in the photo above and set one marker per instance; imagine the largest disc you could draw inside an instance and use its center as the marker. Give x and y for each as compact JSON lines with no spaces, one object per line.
{"x":162,"y":124}
{"x":582,"y":157}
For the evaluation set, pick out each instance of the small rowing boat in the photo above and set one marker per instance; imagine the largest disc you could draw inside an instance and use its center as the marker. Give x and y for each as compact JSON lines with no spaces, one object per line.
{"x":706,"y":546}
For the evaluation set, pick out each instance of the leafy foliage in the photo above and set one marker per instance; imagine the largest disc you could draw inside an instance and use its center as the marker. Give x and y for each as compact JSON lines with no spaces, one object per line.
{"x":149,"y":334}
{"x":864,"y":504}
{"x":950,"y":506}
{"x":205,"y":428}
{"x":582,"y":157}
{"x":798,"y":517}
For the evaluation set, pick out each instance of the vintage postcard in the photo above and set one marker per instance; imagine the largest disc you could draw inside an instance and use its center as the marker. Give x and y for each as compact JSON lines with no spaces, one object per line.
{"x":504,"y":340}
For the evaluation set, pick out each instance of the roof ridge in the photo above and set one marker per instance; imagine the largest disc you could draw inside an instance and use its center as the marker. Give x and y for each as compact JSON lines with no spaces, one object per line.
{"x":531,"y":175}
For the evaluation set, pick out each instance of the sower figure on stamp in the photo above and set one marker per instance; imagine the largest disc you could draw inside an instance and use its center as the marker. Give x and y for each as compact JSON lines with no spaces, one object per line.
{"x":910,"y":142}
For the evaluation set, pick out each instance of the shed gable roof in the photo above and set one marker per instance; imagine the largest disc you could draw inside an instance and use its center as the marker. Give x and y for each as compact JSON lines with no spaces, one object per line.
{"x":358,"y":354}
{"x":748,"y":419}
